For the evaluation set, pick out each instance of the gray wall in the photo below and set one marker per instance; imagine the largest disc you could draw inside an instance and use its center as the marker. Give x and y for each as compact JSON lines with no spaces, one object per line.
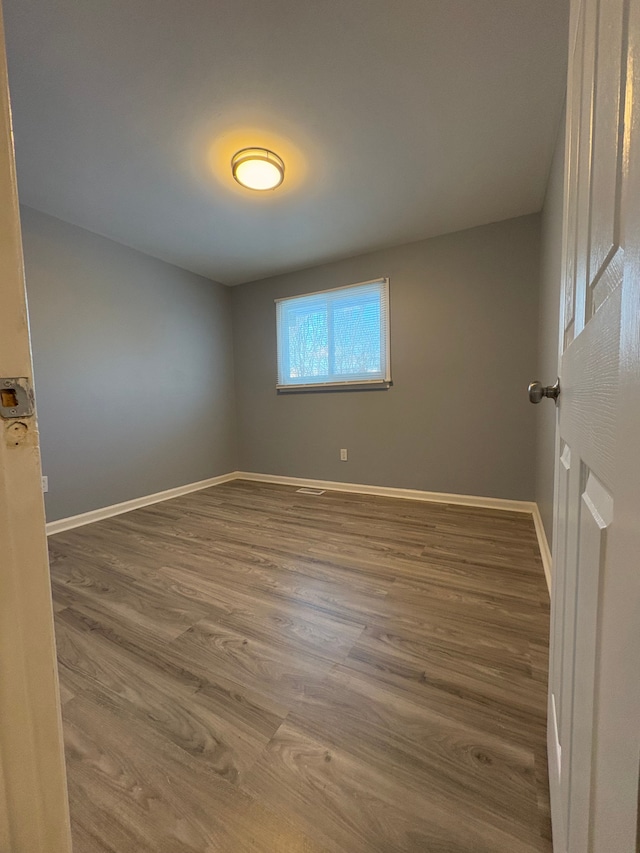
{"x":133,"y":363}
{"x":550,"y":280}
{"x":463,"y":348}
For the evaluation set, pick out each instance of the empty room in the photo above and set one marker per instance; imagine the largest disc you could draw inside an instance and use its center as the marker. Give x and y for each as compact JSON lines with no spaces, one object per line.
{"x":290,"y":563}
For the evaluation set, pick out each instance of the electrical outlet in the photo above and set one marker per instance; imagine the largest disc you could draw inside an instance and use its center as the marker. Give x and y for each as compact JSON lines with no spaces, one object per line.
{"x":45,"y":484}
{"x":343,"y":454}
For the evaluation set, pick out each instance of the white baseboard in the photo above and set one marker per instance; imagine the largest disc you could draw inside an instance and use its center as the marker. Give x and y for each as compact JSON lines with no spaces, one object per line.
{"x":391,"y":492}
{"x":126,"y":506}
{"x":543,"y":543}
{"x":419,"y":495}
{"x":332,"y":485}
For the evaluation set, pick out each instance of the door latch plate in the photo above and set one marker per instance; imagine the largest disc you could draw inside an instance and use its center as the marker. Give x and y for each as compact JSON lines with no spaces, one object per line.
{"x":16,"y":397}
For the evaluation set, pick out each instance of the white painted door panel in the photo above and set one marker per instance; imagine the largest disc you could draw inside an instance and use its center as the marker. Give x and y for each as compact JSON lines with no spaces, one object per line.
{"x":596,"y":513}
{"x":598,"y":475}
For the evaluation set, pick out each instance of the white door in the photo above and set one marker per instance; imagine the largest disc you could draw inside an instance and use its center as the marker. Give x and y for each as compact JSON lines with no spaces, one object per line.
{"x":33,"y":800}
{"x":594,"y":703}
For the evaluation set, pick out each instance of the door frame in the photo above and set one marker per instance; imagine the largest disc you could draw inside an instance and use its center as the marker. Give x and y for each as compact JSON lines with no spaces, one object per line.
{"x":34,"y":814}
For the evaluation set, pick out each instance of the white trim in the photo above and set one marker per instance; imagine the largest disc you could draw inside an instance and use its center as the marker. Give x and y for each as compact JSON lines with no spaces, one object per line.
{"x":391,"y":492}
{"x":126,"y":506}
{"x":543,"y":543}
{"x":34,"y":812}
{"x":330,"y":485}
{"x":349,"y":385}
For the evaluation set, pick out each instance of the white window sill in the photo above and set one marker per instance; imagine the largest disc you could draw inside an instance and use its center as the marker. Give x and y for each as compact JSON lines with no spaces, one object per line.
{"x":373,"y":385}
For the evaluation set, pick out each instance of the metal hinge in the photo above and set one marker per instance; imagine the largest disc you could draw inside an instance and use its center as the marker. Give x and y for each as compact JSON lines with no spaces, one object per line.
{"x":16,"y":397}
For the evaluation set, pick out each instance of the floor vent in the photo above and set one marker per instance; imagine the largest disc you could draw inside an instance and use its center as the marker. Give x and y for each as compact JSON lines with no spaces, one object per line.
{"x":311,"y":491}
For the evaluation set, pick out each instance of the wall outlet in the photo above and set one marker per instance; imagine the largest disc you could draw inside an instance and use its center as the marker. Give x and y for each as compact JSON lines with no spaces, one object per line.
{"x":343,"y":454}
{"x":45,"y":484}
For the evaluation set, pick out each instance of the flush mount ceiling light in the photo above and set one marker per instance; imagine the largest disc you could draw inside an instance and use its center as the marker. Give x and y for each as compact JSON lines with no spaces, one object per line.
{"x":257,"y":169}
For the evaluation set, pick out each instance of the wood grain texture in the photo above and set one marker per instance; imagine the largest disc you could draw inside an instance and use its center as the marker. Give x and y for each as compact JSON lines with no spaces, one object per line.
{"x":250,"y":669}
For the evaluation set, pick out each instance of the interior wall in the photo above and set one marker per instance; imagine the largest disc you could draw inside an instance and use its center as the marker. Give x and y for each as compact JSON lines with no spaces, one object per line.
{"x":463,"y":349}
{"x":133,"y":364}
{"x":548,"y":331}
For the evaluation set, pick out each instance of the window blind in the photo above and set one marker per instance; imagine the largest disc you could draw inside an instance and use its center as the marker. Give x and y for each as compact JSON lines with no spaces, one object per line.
{"x":334,"y":337}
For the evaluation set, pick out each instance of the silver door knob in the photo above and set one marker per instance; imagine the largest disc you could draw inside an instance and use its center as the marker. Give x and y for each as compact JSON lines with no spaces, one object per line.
{"x":537,"y":391}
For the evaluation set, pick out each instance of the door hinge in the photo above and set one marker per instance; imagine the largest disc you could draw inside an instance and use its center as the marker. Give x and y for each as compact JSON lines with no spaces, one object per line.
{"x":16,"y":397}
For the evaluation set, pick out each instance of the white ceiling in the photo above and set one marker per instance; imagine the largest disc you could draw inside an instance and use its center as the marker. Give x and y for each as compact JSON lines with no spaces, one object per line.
{"x":397,"y":120}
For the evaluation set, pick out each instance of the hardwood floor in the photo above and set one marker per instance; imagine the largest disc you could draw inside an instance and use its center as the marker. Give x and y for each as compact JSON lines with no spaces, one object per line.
{"x":251,"y":669}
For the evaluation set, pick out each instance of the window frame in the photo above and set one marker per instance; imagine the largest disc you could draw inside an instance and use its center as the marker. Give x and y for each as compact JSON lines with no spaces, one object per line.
{"x":347,"y":384}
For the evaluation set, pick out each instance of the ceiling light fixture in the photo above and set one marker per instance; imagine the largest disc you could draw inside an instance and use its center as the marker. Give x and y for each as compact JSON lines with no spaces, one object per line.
{"x":257,"y":169}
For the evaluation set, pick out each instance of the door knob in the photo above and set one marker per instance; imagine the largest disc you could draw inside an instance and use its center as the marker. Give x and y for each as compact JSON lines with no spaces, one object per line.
{"x":537,"y":391}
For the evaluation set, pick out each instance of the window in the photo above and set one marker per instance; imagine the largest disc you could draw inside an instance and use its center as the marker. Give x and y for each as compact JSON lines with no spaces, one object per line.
{"x":335,"y":338}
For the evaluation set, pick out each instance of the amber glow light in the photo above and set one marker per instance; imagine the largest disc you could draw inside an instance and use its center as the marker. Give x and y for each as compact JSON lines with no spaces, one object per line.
{"x":257,"y":169}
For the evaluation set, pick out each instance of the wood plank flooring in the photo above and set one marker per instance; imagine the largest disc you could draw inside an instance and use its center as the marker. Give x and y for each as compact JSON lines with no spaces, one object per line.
{"x":251,"y":669}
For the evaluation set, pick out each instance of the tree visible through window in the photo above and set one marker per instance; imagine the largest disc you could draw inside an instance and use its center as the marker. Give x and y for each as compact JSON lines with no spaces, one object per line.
{"x":334,"y":337}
